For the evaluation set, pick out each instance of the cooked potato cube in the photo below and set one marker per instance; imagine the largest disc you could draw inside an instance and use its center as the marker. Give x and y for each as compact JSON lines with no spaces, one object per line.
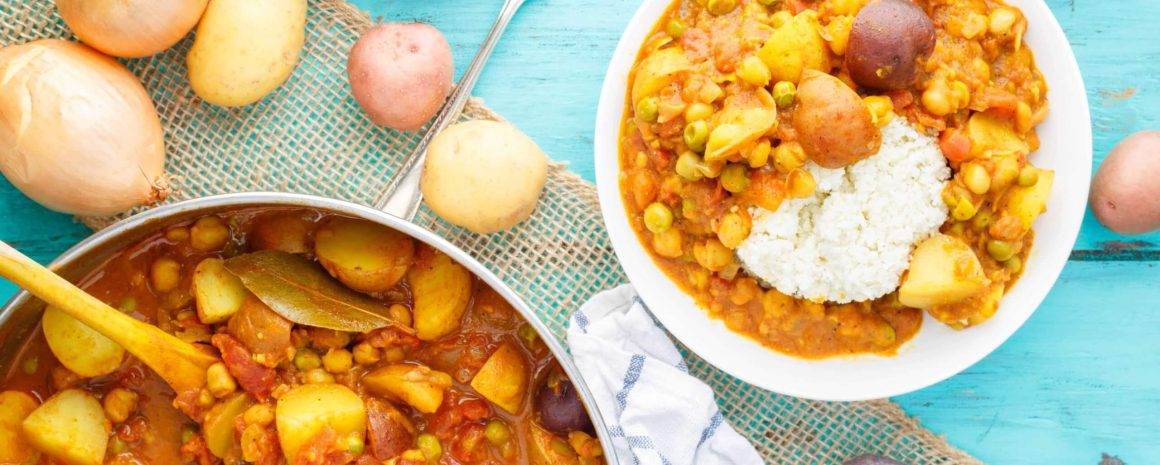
{"x":943,"y":270}
{"x":14,"y":448}
{"x":417,"y":385}
{"x":1027,"y":203}
{"x":503,"y":379}
{"x":80,"y":348}
{"x":218,"y":292}
{"x":305,"y":410}
{"x":362,"y":255}
{"x":991,"y":133}
{"x":218,"y":427}
{"x":70,"y":427}
{"x":442,"y":291}
{"x":972,"y":310}
{"x":545,"y":448}
{"x":794,"y":47}
{"x":657,"y":71}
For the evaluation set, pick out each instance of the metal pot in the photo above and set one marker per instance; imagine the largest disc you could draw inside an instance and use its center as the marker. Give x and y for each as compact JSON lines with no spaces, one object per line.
{"x":21,"y":315}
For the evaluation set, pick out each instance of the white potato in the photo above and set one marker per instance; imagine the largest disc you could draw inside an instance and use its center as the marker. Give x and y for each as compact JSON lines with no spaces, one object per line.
{"x":219,"y":294}
{"x":14,"y":448}
{"x":80,"y":348}
{"x":306,"y":409}
{"x":70,"y":427}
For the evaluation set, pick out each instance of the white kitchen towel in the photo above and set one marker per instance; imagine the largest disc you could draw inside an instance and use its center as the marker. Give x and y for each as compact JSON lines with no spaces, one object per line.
{"x":657,"y":413}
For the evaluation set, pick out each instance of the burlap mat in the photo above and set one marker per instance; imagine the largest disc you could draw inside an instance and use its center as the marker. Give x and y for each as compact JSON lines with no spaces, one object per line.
{"x":311,"y":137}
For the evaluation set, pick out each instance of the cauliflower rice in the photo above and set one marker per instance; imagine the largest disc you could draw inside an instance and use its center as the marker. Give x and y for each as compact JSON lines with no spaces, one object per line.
{"x":851,"y":241}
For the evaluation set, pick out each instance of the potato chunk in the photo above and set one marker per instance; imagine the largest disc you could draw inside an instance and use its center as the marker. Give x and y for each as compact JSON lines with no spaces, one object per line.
{"x":1027,"y":203}
{"x":545,"y":448}
{"x":658,"y":70}
{"x":70,"y":427}
{"x":794,"y":47}
{"x":442,"y":291}
{"x":305,"y":410}
{"x":218,"y":292}
{"x":80,"y":348}
{"x":943,"y":270}
{"x":503,"y":379}
{"x":218,"y":428}
{"x":14,"y":448}
{"x":417,"y":385}
{"x":362,"y":255}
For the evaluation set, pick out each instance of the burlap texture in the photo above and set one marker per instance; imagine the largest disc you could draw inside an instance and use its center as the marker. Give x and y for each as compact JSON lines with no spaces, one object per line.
{"x":311,"y":137}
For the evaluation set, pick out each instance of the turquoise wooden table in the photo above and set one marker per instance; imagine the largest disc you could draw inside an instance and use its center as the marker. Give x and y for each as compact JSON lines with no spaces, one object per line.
{"x":1082,"y":377}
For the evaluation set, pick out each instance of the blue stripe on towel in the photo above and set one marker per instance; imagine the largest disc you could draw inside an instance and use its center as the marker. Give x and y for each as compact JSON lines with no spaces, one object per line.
{"x":708,"y":432}
{"x":630,"y":379}
{"x":581,"y":320}
{"x":645,"y":442}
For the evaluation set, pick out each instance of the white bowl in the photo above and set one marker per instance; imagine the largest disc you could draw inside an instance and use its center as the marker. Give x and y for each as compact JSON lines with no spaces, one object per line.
{"x":936,"y":352}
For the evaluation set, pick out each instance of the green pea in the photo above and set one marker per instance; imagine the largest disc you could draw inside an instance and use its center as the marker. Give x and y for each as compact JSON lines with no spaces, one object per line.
{"x":676,"y":27}
{"x":696,"y":134}
{"x":735,"y":178}
{"x":658,"y":218}
{"x":721,"y":7}
{"x":689,"y":166}
{"x":527,"y":334}
{"x":119,"y":446}
{"x":353,"y":443}
{"x":784,"y":92}
{"x":129,"y":305}
{"x":1014,"y":265}
{"x":497,"y":432}
{"x":187,"y":432}
{"x":306,"y":359}
{"x":429,"y":445}
{"x":1000,"y":250}
{"x":647,"y":109}
{"x":30,"y":365}
{"x":982,"y":219}
{"x":1028,"y":176}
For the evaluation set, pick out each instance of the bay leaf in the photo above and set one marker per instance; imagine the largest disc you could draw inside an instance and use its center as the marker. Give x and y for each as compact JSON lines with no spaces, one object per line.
{"x":302,"y":292}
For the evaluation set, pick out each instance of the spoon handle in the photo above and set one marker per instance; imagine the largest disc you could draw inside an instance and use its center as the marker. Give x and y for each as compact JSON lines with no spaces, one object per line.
{"x":178,"y":362}
{"x":402,"y":197}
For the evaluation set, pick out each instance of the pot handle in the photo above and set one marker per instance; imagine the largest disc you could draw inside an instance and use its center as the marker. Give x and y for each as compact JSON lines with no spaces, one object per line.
{"x":402,"y":196}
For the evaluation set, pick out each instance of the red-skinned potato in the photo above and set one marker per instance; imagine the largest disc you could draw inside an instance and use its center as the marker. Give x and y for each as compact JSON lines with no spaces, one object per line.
{"x":886,"y":40}
{"x":1124,"y":191}
{"x":834,"y":127}
{"x":400,"y":73}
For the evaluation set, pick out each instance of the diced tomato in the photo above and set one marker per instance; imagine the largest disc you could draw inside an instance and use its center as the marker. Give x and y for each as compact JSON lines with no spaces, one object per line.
{"x":996,"y":99}
{"x":197,"y":448}
{"x":475,"y":409}
{"x":955,"y":145}
{"x":901,"y":98}
{"x":392,"y":337}
{"x":257,"y":380}
{"x":469,"y":445}
{"x":320,"y":450}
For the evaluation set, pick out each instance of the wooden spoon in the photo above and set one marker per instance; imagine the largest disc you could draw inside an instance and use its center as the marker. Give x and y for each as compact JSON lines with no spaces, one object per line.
{"x":179,"y":363}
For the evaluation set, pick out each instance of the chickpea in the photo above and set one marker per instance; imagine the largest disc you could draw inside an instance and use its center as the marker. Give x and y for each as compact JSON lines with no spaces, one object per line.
{"x":675,"y":28}
{"x":165,"y":274}
{"x":205,"y":398}
{"x":668,"y":243}
{"x":366,"y":354}
{"x":394,"y":355}
{"x":306,"y":360}
{"x":1006,"y":171}
{"x":648,"y":109}
{"x":209,"y":233}
{"x":219,"y":381}
{"x":400,"y":314}
{"x":658,"y":218}
{"x":735,"y":178}
{"x":976,"y":178}
{"x":881,"y":109}
{"x":689,"y":166}
{"x":259,"y":414}
{"x":754,"y":71}
{"x":120,"y":403}
{"x":713,"y":255}
{"x":801,"y":184}
{"x":721,"y":7}
{"x":698,"y":111}
{"x":789,"y":156}
{"x":63,"y":378}
{"x":734,"y":229}
{"x":973,"y":25}
{"x":337,"y":361}
{"x":937,"y":99}
{"x":177,"y":234}
{"x":317,"y":376}
{"x":784,"y":93}
{"x":1028,"y":176}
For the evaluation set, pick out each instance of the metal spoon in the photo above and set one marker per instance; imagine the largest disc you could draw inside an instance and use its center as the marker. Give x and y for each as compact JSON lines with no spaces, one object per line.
{"x":402,"y":196}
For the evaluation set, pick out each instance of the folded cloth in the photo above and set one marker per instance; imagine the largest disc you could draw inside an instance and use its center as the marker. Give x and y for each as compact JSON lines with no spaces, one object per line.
{"x":656,"y":412}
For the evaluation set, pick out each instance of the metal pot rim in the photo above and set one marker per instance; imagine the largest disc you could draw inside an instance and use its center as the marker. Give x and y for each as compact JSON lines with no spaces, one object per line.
{"x":149,"y":221}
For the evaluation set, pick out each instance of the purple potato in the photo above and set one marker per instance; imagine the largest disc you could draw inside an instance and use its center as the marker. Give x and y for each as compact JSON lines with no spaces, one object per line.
{"x":886,"y":41}
{"x":560,"y":408}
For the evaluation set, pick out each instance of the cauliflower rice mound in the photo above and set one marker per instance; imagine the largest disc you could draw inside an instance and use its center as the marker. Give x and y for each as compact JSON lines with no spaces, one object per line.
{"x":851,"y":241}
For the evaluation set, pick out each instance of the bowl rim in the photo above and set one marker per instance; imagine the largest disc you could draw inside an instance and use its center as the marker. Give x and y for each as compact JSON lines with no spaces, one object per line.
{"x":149,"y":221}
{"x":697,"y":331}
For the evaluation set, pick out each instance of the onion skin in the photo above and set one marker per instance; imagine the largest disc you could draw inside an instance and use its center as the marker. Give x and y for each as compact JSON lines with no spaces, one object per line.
{"x":78,"y":132}
{"x":131,"y":28}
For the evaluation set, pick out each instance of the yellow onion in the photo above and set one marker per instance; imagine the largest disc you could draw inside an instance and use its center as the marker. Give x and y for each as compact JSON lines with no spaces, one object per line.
{"x":78,"y":132}
{"x":131,"y":28}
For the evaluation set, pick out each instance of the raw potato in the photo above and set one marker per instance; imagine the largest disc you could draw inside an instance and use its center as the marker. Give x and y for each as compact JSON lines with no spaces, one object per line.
{"x":1125,"y":193}
{"x":306,"y":409}
{"x":503,"y":379}
{"x":943,"y":270}
{"x":244,"y":49}
{"x":218,"y":293}
{"x":485,"y":176}
{"x":70,"y":427}
{"x":362,"y":255}
{"x":795,"y":47}
{"x":834,"y":127}
{"x":78,"y":347}
{"x":441,"y":289}
{"x":886,"y":41}
{"x":400,"y":73}
{"x":14,"y":448}
{"x":417,"y":385}
{"x":218,"y":428}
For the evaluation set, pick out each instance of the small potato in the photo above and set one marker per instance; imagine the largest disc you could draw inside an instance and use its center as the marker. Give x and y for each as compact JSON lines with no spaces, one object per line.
{"x":503,"y":379}
{"x":834,"y":127}
{"x":400,"y":73}
{"x":417,"y":385}
{"x":262,"y":331}
{"x":70,"y":427}
{"x":244,"y":49}
{"x":561,"y":410}
{"x":306,"y":409}
{"x":218,"y":293}
{"x":362,"y":255}
{"x":79,"y":348}
{"x":485,"y":176}
{"x":886,"y":41}
{"x":1125,"y":194}
{"x":442,"y":291}
{"x":287,"y":232}
{"x":14,"y":448}
{"x":794,"y":47}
